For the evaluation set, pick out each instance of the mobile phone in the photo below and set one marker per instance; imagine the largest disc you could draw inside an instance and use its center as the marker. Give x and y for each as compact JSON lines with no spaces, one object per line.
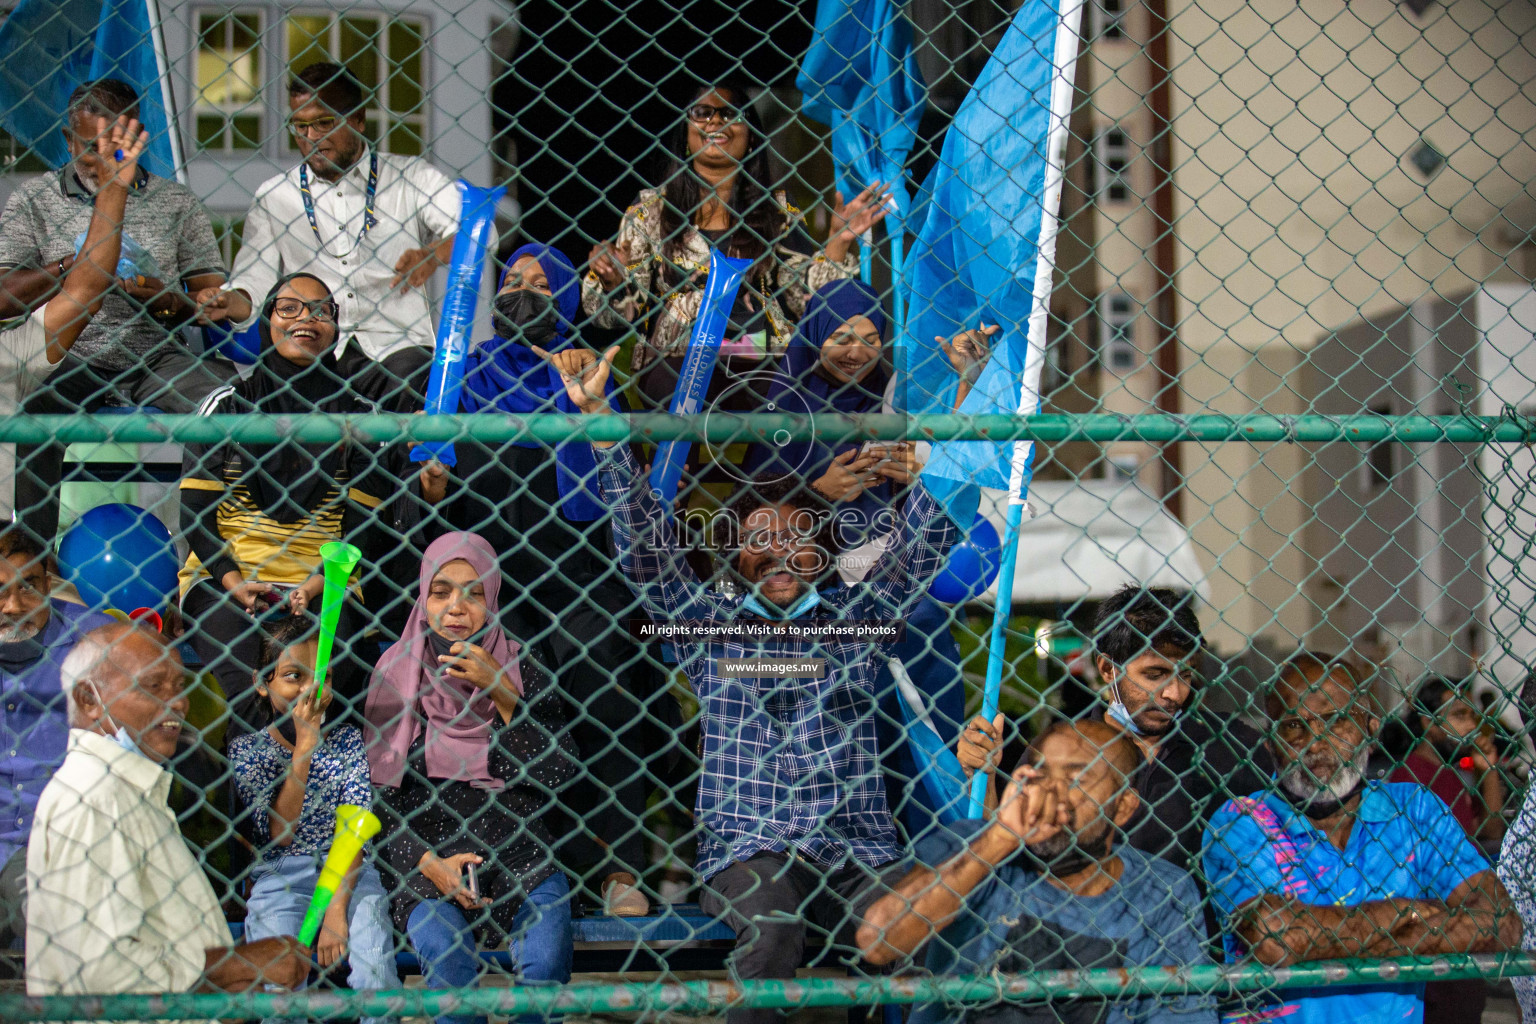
{"x":473,"y":881}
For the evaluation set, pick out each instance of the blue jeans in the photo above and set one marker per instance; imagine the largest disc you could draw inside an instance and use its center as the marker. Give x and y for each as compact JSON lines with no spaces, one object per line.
{"x":541,"y":943}
{"x":281,"y":895}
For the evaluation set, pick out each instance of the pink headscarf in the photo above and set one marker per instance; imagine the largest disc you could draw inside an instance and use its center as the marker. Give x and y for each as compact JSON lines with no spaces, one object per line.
{"x":455,"y":713}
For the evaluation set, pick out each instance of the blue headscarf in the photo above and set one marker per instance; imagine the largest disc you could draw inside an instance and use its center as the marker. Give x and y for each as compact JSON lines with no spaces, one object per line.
{"x":505,"y":375}
{"x":833,"y":304}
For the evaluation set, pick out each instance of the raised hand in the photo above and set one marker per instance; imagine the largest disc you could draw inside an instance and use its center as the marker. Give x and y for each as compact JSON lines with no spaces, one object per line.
{"x":980,"y":744}
{"x":607,"y":264}
{"x":868,"y":208}
{"x":119,"y":145}
{"x":969,"y":351}
{"x":585,"y":375}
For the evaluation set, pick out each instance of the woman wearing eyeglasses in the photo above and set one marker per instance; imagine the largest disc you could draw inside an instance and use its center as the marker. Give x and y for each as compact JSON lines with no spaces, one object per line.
{"x":257,"y":514}
{"x":718,"y":191}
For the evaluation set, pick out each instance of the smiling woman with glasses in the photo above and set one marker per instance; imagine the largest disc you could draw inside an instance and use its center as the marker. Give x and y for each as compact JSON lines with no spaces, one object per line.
{"x":257,"y":514}
{"x":719,"y":191}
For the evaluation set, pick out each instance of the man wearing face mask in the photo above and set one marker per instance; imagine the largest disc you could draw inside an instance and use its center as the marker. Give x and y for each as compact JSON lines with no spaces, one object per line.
{"x":794,"y":824}
{"x":373,"y":226}
{"x":1329,"y":865}
{"x":1045,"y":885}
{"x":1145,"y":643}
{"x":36,"y":631}
{"x":118,"y":903}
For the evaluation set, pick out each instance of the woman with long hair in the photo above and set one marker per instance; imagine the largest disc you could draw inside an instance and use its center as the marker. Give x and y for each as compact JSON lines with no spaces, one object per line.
{"x":718,"y":192}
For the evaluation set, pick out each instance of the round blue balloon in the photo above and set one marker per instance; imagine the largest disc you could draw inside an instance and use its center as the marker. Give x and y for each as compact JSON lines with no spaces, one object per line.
{"x":972,"y":565}
{"x":120,"y":556}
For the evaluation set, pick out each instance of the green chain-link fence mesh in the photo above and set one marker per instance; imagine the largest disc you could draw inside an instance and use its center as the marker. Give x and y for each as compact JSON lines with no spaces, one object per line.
{"x":1287,"y":390}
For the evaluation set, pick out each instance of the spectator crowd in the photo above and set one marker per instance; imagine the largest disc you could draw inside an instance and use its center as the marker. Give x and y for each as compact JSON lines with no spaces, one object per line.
{"x":514,"y":731}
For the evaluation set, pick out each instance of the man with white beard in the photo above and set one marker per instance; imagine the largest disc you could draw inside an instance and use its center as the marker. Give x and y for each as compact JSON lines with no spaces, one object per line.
{"x":1330,"y":865}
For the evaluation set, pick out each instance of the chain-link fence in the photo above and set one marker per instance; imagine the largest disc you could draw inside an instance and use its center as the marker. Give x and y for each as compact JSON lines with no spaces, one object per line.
{"x":599,"y":392}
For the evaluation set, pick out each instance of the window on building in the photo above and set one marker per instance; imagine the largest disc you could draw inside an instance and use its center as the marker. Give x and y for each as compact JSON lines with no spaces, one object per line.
{"x":1112,"y":155}
{"x":1117,"y":333}
{"x":1107,"y":15}
{"x":227,"y":99}
{"x":387,"y":54}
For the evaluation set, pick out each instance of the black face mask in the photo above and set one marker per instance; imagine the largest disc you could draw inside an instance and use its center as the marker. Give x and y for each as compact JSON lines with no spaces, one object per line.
{"x":1319,"y":806}
{"x":526,"y":315}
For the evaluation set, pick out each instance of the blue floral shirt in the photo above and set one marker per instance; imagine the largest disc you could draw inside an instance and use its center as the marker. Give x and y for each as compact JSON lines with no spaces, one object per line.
{"x":338,"y":774}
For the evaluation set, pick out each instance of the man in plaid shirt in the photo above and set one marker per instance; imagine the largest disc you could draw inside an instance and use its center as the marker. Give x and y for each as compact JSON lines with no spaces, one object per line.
{"x":792,"y":806}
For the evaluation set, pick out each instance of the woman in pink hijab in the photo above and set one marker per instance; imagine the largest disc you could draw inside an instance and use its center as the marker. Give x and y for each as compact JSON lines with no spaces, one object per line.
{"x":462,"y":754}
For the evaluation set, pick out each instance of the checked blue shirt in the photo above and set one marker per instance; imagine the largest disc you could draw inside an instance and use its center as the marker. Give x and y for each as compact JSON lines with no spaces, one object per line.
{"x":789,"y":764}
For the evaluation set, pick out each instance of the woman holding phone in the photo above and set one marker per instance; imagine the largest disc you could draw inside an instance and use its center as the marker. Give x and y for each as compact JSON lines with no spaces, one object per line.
{"x":461,"y":728}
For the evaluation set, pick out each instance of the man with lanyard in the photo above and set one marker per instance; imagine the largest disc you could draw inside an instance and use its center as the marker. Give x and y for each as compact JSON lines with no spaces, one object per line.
{"x":130,"y":353}
{"x":1329,"y":866}
{"x":372,"y":226}
{"x":1194,"y":760}
{"x":794,"y":821}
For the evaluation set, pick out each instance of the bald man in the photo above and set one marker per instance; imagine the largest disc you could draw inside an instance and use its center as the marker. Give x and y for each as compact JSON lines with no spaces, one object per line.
{"x":118,"y":902}
{"x":1331,"y":865}
{"x":1046,"y":885}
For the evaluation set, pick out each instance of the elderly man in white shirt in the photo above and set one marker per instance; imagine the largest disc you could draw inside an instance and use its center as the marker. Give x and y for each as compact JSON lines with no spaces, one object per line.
{"x":372,"y":226}
{"x":117,"y":902}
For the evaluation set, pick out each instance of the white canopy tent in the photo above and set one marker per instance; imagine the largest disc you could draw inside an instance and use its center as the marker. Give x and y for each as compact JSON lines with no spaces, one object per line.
{"x":1084,"y":541}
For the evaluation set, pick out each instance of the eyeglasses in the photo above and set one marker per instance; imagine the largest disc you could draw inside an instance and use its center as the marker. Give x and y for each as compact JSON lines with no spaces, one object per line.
{"x":323,"y":125}
{"x":703,"y":113}
{"x":293,"y":309}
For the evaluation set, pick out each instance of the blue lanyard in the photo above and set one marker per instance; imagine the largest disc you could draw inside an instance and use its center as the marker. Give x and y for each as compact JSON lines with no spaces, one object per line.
{"x":369,"y":220}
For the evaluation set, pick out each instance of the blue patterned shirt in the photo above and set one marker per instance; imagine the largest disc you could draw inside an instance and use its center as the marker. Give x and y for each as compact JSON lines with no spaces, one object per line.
{"x":338,"y":774}
{"x":789,"y":764}
{"x":1405,"y":843}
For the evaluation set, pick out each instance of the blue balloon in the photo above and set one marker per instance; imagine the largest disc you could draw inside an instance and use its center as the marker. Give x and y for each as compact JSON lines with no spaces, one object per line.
{"x":120,"y":556}
{"x":972,"y":565}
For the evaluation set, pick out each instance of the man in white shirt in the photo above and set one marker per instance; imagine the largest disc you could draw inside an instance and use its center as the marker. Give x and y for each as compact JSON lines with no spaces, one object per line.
{"x":117,"y":902}
{"x":372,"y":226}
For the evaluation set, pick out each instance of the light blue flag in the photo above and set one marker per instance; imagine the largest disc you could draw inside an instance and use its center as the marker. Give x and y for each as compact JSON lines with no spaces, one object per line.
{"x":985,"y":246}
{"x":860,"y":78}
{"x":48,"y":47}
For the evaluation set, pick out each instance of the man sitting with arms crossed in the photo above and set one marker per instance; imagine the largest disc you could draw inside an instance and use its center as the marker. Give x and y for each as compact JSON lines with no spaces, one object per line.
{"x":1330,"y":866}
{"x":1045,"y":885}
{"x":118,"y":903}
{"x":794,"y":818}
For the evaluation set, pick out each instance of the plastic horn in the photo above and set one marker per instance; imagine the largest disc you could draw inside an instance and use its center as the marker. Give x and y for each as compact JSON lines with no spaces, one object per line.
{"x":338,"y":560}
{"x":725,"y":274}
{"x":354,"y":827}
{"x":477,"y":219}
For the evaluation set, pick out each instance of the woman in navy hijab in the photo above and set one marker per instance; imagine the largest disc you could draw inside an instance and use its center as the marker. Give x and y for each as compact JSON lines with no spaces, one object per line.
{"x":542,"y":512}
{"x":834,"y":364}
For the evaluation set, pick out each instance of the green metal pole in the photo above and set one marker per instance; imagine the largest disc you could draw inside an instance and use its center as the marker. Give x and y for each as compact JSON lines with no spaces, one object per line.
{"x":554,"y":427}
{"x":698,"y":996}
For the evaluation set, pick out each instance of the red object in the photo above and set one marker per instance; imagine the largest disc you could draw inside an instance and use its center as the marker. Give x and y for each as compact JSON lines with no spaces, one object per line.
{"x":149,"y":617}
{"x":1465,"y":764}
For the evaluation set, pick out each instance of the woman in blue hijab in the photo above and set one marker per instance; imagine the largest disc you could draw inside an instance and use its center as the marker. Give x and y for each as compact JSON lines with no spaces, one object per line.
{"x":835,"y":364}
{"x":542,"y":511}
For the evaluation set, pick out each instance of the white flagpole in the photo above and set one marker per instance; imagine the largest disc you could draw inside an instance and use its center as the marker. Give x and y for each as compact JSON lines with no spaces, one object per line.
{"x":167,"y":96}
{"x":1064,"y":75}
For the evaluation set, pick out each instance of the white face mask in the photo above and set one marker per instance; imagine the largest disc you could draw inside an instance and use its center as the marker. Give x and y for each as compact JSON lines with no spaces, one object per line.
{"x":123,"y":737}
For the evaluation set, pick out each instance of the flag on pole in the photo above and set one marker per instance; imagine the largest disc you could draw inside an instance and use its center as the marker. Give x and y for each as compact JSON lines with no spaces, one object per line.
{"x":986,"y":246}
{"x":860,"y":78}
{"x":49,"y":47}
